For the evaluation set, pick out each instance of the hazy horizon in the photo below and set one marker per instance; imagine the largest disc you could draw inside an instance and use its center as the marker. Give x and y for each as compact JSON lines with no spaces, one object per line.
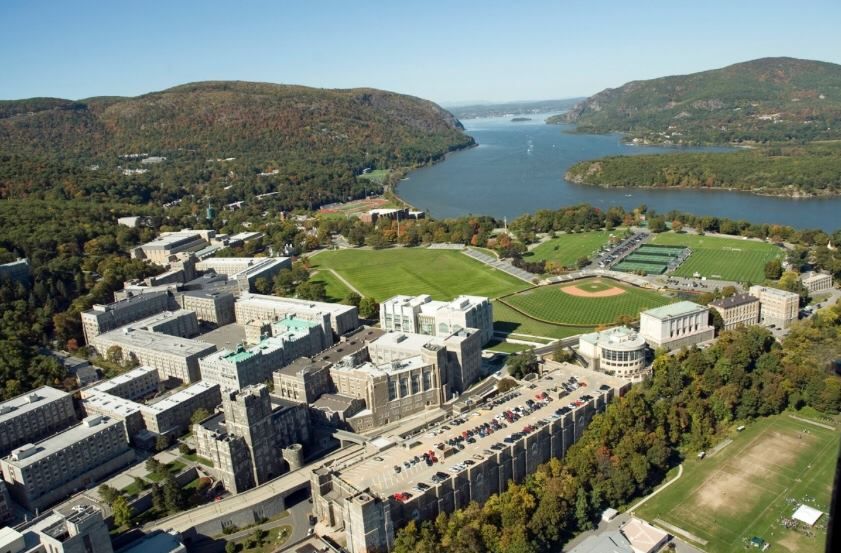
{"x":452,"y":53}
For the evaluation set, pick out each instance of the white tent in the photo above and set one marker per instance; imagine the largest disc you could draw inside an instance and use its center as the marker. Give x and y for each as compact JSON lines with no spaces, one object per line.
{"x":807,"y":514}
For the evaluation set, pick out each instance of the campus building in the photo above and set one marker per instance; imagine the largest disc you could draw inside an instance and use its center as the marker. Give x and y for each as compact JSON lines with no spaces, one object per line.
{"x":34,"y":415}
{"x":619,"y":351}
{"x":306,"y":379}
{"x":103,"y":318}
{"x":137,"y":383}
{"x":245,"y":441}
{"x":816,"y":282}
{"x":333,"y":317}
{"x":43,"y":473}
{"x":737,"y":310}
{"x":676,"y":325}
{"x":167,"y":415}
{"x":162,"y":250}
{"x":364,"y":497}
{"x":464,"y":353}
{"x":393,"y":390}
{"x":777,"y":307}
{"x":211,"y":306}
{"x":5,"y":505}
{"x":245,"y":270}
{"x":422,"y":315}
{"x":76,"y":529}
{"x":234,"y":370}
{"x":174,"y":357}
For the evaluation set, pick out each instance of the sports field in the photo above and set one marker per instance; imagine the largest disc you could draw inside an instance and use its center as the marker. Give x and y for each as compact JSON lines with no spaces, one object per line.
{"x":586,"y":302}
{"x":443,"y":274}
{"x":747,"y":488}
{"x":721,"y":258}
{"x":568,"y":248}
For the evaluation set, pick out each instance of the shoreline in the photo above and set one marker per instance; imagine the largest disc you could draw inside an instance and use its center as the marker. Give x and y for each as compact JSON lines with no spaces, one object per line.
{"x":760,"y":193}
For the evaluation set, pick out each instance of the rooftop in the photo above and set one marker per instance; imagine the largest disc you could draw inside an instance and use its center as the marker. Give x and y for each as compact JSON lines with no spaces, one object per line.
{"x":185,"y":394}
{"x":678,"y":309}
{"x":350,"y":344}
{"x":168,"y":239}
{"x":772,"y":291}
{"x":734,"y":301}
{"x":124,"y":304}
{"x":31,"y":453}
{"x":163,"y":343}
{"x":616,"y":336}
{"x":29,"y":401}
{"x":333,"y":402}
{"x":383,"y":369}
{"x":303,"y":365}
{"x":124,"y":378}
{"x":293,"y":303}
{"x":379,"y":476}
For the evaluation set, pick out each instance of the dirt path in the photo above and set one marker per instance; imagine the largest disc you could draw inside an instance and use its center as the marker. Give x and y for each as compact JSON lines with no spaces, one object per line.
{"x":345,"y":282}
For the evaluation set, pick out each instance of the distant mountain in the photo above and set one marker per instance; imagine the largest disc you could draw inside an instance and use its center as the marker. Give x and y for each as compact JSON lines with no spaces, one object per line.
{"x":764,"y":100}
{"x":316,"y":140}
{"x":512,"y":108}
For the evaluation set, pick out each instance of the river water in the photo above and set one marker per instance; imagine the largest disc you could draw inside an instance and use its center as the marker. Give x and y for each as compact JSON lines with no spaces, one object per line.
{"x":519,"y":168}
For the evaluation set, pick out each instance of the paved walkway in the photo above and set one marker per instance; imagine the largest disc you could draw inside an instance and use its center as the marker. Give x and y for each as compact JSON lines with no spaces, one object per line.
{"x":658,"y":490}
{"x":809,"y":421}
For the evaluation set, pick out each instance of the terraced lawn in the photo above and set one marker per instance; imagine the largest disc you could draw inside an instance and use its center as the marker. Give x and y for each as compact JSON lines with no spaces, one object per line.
{"x":568,"y":248}
{"x":722,"y":258}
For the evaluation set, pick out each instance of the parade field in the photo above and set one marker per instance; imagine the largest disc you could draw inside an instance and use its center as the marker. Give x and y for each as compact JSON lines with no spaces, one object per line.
{"x":443,"y":274}
{"x":721,"y":258}
{"x":585,"y":302}
{"x":751,"y":487}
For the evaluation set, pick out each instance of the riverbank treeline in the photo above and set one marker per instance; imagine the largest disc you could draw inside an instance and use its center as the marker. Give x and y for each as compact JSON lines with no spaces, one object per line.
{"x":785,"y":170}
{"x":692,"y":398}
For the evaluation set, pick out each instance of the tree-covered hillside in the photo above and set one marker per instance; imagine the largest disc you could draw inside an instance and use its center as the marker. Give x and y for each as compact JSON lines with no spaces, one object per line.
{"x":769,"y":99}
{"x":797,"y":171}
{"x":227,"y":140}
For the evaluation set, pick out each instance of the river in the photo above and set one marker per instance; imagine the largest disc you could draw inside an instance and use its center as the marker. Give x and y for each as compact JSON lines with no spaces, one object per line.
{"x":519,"y":168}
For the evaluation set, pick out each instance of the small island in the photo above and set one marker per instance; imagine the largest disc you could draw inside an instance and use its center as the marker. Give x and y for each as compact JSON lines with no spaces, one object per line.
{"x":520,"y":119}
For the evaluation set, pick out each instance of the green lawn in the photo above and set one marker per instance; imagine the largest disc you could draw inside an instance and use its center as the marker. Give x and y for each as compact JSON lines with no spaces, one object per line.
{"x":568,"y":248}
{"x":552,"y":304}
{"x":722,"y":258}
{"x":511,"y":321}
{"x":336,"y":289}
{"x":173,"y":468}
{"x":443,"y":274}
{"x":746,"y":488}
{"x":377,"y":176}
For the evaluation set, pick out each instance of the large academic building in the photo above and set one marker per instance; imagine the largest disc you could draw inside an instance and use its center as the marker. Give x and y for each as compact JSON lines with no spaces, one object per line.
{"x":676,"y":325}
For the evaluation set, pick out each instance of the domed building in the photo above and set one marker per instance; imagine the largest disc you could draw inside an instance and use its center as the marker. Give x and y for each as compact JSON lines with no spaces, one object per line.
{"x":619,"y":351}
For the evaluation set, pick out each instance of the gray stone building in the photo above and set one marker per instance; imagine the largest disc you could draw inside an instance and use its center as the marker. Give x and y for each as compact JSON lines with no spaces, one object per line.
{"x":43,"y":473}
{"x":245,"y":440}
{"x":102,"y":318}
{"x":34,"y":415}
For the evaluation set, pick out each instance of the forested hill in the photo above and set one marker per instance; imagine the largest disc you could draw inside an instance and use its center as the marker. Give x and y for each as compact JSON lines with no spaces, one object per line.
{"x":768,"y":99}
{"x":314,"y":139}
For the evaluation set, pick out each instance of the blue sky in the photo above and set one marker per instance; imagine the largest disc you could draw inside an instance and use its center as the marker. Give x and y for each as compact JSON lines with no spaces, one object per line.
{"x":450,"y":52}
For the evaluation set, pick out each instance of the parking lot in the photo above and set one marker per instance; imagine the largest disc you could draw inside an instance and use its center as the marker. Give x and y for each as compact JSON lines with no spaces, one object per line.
{"x":446,"y":449}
